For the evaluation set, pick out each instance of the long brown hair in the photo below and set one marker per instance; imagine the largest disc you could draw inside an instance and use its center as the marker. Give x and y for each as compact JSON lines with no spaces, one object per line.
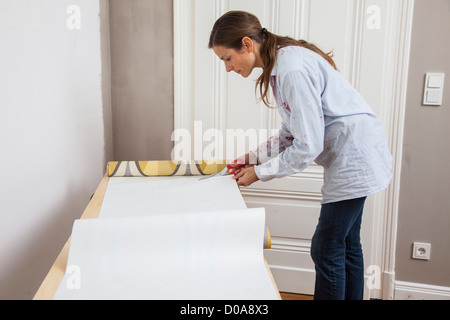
{"x":229,"y":30}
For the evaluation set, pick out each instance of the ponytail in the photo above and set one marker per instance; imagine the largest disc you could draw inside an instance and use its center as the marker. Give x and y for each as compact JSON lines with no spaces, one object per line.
{"x":229,"y":30}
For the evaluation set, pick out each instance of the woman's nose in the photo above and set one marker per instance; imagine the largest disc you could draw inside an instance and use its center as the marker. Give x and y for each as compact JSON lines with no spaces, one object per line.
{"x":228,"y":68}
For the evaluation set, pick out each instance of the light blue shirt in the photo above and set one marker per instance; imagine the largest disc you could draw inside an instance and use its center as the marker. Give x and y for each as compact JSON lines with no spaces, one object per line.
{"x":327,"y":121}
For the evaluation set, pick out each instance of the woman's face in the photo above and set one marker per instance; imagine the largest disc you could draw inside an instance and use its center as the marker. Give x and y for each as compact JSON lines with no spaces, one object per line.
{"x":240,"y":61}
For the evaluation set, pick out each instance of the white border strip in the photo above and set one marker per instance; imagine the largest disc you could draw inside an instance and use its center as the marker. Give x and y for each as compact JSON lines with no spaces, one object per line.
{"x":419,"y":291}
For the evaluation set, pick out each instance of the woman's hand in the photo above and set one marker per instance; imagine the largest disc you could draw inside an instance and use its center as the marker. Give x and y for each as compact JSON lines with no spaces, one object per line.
{"x":246,"y":176}
{"x":245,"y":161}
{"x":243,"y":169}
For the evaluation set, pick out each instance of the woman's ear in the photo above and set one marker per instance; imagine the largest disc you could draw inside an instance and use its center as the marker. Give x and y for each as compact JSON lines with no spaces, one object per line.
{"x":247,"y":44}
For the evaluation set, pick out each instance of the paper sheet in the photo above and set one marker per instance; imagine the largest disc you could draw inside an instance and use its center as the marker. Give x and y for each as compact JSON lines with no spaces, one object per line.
{"x":169,"y":238}
{"x":139,"y":258}
{"x":139,"y":196}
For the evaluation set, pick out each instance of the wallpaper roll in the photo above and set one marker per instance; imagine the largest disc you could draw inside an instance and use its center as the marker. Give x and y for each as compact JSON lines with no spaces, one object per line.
{"x":138,"y":196}
{"x":163,"y":168}
{"x":180,"y":256}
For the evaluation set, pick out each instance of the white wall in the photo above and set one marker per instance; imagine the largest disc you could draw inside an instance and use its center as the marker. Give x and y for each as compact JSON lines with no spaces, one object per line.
{"x":51,"y":133}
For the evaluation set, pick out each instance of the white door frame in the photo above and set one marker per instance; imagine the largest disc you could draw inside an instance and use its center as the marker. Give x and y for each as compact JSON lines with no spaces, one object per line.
{"x":395,"y":75}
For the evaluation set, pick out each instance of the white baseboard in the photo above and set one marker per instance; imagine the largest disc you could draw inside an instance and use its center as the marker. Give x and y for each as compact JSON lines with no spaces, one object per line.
{"x":420,"y":291}
{"x":294,"y":280}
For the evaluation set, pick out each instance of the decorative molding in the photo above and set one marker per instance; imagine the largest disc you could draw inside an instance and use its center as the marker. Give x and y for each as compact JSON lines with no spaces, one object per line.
{"x":221,"y":79}
{"x":354,"y":68}
{"x":290,"y":244}
{"x":292,"y":279}
{"x":392,"y":109}
{"x":281,"y":194}
{"x":292,"y":276}
{"x":183,"y":71}
{"x":419,"y":291}
{"x":302,"y":19}
{"x":394,"y":116}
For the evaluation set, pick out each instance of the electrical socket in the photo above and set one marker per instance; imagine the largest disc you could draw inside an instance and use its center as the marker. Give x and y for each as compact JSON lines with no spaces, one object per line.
{"x":421,"y":251}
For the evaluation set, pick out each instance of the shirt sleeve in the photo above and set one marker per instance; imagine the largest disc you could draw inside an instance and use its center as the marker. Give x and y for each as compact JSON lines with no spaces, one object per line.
{"x":274,"y":145}
{"x":305,"y":127}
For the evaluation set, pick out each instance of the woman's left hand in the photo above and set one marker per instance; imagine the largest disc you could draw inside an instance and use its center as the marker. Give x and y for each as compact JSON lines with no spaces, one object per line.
{"x":246,"y":176}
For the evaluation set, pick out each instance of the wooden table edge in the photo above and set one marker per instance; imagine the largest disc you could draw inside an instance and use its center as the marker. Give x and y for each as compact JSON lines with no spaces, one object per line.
{"x":54,"y":277}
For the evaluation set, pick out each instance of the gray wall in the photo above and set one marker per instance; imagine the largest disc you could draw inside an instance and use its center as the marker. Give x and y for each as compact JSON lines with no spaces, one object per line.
{"x":142,"y":79}
{"x":424,"y":212}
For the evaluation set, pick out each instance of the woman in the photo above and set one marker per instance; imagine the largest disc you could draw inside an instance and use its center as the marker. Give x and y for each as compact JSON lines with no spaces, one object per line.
{"x":324,"y":120}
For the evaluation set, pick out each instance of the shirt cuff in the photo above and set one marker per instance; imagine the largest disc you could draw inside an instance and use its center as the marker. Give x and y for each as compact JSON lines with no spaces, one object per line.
{"x":263,"y":172}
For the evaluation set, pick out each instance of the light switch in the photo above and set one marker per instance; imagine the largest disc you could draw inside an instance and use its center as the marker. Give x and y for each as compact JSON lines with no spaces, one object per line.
{"x":435,"y":81}
{"x":433,"y":96}
{"x":434,"y":88}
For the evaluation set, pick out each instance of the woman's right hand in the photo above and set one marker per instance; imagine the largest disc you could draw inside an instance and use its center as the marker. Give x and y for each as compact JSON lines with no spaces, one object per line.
{"x":247,"y":160}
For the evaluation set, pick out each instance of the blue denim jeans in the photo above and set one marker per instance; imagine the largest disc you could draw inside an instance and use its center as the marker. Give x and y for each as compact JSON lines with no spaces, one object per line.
{"x":337,"y":252}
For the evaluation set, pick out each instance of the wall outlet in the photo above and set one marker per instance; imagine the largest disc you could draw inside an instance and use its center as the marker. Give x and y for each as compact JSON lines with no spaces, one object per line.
{"x":421,"y":251}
